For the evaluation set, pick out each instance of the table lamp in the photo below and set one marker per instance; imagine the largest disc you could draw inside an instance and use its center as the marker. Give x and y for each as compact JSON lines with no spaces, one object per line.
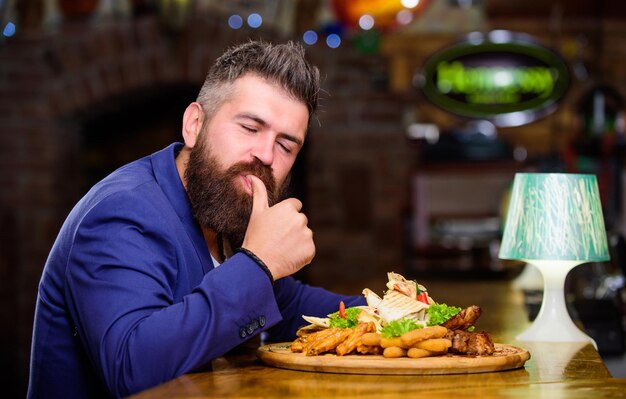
{"x":554,"y":222}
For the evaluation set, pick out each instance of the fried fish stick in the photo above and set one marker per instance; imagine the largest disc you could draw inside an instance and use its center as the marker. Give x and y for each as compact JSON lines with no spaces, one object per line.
{"x":394,"y":341}
{"x":370,"y":339}
{"x":409,"y":339}
{"x":354,"y":338}
{"x":437,"y":345}
{"x":330,"y":342}
{"x":394,"y":351}
{"x":416,"y":353}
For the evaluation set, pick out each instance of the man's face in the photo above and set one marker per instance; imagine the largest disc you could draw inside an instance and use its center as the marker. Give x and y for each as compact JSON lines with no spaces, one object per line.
{"x":218,"y":202}
{"x":259,"y":131}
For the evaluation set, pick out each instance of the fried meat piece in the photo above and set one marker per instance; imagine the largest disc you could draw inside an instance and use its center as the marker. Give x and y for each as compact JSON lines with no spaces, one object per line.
{"x":306,"y":335}
{"x":302,"y":344}
{"x":297,"y":345}
{"x":354,"y":339}
{"x":369,"y":349}
{"x":464,"y":319}
{"x":328,"y":342}
{"x":470,"y":343}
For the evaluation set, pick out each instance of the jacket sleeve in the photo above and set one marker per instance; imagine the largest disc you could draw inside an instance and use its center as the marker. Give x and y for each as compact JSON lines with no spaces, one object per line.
{"x":122,"y":274}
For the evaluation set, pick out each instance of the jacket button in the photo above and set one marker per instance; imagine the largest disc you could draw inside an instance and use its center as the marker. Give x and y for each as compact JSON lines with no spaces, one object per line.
{"x":250,"y":329}
{"x":243,"y":332}
{"x":261,"y":321}
{"x":255,"y":324}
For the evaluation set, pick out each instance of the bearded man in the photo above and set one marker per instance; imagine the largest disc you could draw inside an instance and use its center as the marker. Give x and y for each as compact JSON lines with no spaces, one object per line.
{"x":131,"y":294}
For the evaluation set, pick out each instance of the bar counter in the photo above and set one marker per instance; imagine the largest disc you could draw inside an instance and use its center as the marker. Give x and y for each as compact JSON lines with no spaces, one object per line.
{"x":554,"y":370}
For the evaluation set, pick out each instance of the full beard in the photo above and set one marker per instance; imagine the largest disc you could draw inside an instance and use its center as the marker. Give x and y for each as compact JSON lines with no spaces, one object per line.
{"x":217,"y":200}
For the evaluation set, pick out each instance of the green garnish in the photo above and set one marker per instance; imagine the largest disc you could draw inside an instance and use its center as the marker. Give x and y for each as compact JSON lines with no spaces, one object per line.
{"x":439,"y":313}
{"x":350,"y":321}
{"x":396,"y":328}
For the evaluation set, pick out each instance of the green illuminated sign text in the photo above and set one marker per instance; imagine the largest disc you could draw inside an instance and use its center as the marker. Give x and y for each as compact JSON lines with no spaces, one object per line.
{"x":494,"y":84}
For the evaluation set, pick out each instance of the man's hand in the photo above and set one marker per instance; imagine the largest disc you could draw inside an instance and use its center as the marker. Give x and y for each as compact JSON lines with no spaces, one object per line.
{"x":278,"y":235}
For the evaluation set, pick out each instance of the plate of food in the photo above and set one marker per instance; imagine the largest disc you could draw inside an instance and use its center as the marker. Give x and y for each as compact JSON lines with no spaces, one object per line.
{"x":404,"y":332}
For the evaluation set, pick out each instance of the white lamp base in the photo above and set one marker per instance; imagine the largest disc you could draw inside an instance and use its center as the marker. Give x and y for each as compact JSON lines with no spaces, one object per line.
{"x":529,"y":279}
{"x":553,"y":323}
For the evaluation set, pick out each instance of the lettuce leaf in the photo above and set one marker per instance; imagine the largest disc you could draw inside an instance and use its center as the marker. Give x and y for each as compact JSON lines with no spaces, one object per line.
{"x":350,"y":321}
{"x":396,"y":328}
{"x":439,"y":313}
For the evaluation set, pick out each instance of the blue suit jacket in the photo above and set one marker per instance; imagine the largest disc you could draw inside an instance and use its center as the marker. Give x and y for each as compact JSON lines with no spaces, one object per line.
{"x":129,"y":297}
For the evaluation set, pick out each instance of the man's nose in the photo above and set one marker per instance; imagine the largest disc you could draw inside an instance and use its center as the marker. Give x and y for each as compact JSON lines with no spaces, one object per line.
{"x":264,"y":150}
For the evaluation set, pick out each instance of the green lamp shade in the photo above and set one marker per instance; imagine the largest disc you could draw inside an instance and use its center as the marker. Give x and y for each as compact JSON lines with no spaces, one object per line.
{"x":554,"y":216}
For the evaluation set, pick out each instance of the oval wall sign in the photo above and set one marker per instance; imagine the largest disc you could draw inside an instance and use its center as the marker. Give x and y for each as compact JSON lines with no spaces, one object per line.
{"x":505,"y":77}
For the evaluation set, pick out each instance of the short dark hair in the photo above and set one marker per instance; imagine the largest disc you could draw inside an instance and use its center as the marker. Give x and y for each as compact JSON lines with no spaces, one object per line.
{"x":282,"y":64}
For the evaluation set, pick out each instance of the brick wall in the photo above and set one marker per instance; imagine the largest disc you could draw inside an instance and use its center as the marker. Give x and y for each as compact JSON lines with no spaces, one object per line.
{"x":358,"y":164}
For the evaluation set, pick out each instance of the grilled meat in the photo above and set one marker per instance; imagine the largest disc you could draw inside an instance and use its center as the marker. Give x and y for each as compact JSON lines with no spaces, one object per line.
{"x":464,"y":319}
{"x":470,"y":343}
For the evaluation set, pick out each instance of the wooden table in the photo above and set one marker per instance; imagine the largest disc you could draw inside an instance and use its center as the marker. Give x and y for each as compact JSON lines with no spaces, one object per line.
{"x":554,"y":370}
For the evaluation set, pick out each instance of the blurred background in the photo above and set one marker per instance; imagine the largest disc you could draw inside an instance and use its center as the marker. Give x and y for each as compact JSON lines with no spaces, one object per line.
{"x":398,"y":174}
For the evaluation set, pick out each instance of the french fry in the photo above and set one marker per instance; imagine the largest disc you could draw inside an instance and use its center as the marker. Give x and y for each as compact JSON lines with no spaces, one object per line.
{"x":416,"y":353}
{"x":371,"y":339}
{"x":410,"y":338}
{"x":394,"y":351}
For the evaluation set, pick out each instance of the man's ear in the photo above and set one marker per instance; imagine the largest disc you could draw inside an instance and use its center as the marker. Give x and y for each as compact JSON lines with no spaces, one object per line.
{"x":192,"y":123}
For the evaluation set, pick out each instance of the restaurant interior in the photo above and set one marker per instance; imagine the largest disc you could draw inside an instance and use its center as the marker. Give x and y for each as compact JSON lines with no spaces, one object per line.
{"x":394,"y":176}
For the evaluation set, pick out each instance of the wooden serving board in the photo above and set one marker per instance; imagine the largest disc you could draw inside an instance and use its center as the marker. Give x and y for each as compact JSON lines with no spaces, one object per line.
{"x":505,"y":357}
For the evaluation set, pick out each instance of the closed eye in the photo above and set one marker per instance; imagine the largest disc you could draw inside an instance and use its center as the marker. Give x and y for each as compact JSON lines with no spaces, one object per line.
{"x":286,"y":147}
{"x":249,"y":128}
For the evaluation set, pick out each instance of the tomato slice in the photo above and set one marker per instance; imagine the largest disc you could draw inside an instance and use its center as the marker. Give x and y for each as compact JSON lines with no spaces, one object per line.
{"x":342,"y":310}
